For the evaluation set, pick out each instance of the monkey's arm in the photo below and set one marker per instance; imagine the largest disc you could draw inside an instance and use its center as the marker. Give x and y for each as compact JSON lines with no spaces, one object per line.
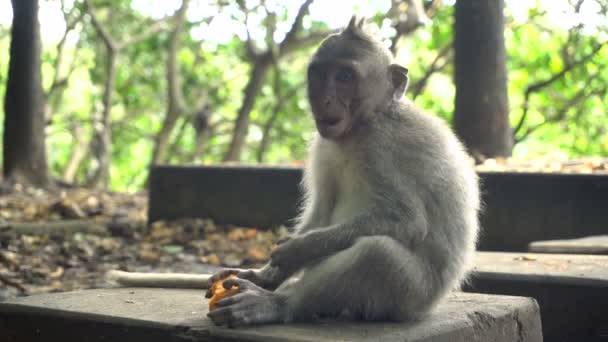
{"x":268,"y":277}
{"x":406,"y":227}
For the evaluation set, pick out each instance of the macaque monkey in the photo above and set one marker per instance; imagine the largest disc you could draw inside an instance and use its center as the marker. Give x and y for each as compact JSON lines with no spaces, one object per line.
{"x":389,"y":224}
{"x":390,"y":217}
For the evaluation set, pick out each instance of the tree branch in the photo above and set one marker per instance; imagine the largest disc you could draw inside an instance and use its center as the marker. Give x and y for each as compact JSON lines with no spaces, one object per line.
{"x":582,"y":94}
{"x":407,"y":16}
{"x":174,"y":82}
{"x":176,"y":104}
{"x":433,"y":68}
{"x":296,"y":26}
{"x":301,"y":42}
{"x":250,"y":49}
{"x":105,"y":35}
{"x":156,"y":28}
{"x":281,"y":97}
{"x":115,"y":45}
{"x":535,"y":87}
{"x":432,"y":7}
{"x":59,"y":82}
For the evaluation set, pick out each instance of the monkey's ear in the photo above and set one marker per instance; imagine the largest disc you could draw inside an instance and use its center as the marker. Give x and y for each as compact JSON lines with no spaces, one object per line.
{"x":399,"y":79}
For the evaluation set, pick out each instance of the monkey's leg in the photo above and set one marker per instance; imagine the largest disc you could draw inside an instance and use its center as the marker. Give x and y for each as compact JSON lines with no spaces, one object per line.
{"x":375,"y":279}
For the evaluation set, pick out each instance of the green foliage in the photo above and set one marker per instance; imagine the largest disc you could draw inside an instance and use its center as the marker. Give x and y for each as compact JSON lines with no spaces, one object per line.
{"x":566,"y":118}
{"x":418,"y":53}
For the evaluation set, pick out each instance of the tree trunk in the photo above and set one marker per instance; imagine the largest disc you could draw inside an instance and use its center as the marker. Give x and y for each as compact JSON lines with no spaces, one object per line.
{"x":79,"y":152}
{"x":101,"y":146}
{"x":481,"y":117}
{"x":24,"y":138}
{"x":276,"y":110}
{"x":261,"y":63}
{"x":199,"y":148}
{"x":260,"y":68}
{"x":175,"y":101}
{"x":265,"y":142}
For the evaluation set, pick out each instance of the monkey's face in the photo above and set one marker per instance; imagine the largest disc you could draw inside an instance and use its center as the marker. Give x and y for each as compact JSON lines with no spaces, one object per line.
{"x":350,"y":78}
{"x":332,"y":91}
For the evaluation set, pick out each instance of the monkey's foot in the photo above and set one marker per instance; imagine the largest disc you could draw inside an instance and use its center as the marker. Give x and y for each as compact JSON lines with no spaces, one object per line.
{"x":252,"y":305}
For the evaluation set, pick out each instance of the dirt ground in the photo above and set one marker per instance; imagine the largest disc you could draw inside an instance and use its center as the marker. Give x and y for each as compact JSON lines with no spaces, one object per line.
{"x":55,"y":241}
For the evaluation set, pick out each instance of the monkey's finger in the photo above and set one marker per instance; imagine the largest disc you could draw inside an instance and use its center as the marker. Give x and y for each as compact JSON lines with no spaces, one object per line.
{"x":220,"y":316}
{"x":248,"y":274}
{"x":227,"y":316}
{"x":243,"y":284}
{"x":223,"y":274}
{"x":227,"y":301}
{"x":219,"y":276}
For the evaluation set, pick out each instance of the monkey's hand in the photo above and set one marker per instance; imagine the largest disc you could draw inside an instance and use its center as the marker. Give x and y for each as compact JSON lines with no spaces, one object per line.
{"x":268,"y":277}
{"x":295,"y":253}
{"x":223,"y":274}
{"x":252,"y":305}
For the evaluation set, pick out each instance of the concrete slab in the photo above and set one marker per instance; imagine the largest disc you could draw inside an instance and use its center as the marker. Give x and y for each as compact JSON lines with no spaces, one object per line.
{"x":244,"y":195}
{"x":142,"y":314}
{"x":572,"y":290}
{"x":597,"y":244}
{"x":588,"y":270}
{"x":522,"y":204}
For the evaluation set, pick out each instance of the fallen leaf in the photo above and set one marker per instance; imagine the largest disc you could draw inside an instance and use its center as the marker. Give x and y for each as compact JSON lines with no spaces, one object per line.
{"x":251,"y":233}
{"x":29,"y":212}
{"x":211,"y":259}
{"x":57,"y":273}
{"x":237,"y":234}
{"x":67,"y":208}
{"x":173,"y":249}
{"x":258,"y":254}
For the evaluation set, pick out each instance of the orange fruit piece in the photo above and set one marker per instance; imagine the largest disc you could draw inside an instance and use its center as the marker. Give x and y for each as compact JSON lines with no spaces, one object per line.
{"x":218,"y":291}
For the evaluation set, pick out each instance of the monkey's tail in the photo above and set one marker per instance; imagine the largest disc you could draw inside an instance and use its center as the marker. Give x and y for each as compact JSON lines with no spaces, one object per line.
{"x":168,"y":280}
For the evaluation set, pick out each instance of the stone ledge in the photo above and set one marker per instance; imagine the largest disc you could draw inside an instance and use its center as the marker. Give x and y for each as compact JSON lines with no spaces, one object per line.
{"x":597,"y":244}
{"x":585,"y":270}
{"x":572,"y":290}
{"x":142,"y":314}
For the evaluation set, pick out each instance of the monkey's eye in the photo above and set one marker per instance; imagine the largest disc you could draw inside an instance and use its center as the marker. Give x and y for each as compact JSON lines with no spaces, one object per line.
{"x":315,"y":73}
{"x":344,"y":75}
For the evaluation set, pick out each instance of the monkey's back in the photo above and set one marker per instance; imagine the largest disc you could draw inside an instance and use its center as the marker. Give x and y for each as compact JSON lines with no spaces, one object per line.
{"x":433,"y":165}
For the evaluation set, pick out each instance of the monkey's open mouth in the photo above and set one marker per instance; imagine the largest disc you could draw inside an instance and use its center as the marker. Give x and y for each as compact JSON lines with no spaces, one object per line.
{"x":329,"y":121}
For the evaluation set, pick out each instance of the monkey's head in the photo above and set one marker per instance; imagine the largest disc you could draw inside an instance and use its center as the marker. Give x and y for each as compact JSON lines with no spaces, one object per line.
{"x":351,"y":75}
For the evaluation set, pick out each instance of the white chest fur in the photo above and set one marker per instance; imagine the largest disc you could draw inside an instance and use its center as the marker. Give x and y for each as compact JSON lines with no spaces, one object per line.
{"x":342,"y":189}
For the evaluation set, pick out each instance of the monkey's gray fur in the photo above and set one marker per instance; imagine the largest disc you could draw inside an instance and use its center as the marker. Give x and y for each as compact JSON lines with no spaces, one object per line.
{"x":389,"y":221}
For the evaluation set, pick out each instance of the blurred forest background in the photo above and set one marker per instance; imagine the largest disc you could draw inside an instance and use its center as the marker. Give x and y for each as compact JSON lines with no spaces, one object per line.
{"x":132,"y":83}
